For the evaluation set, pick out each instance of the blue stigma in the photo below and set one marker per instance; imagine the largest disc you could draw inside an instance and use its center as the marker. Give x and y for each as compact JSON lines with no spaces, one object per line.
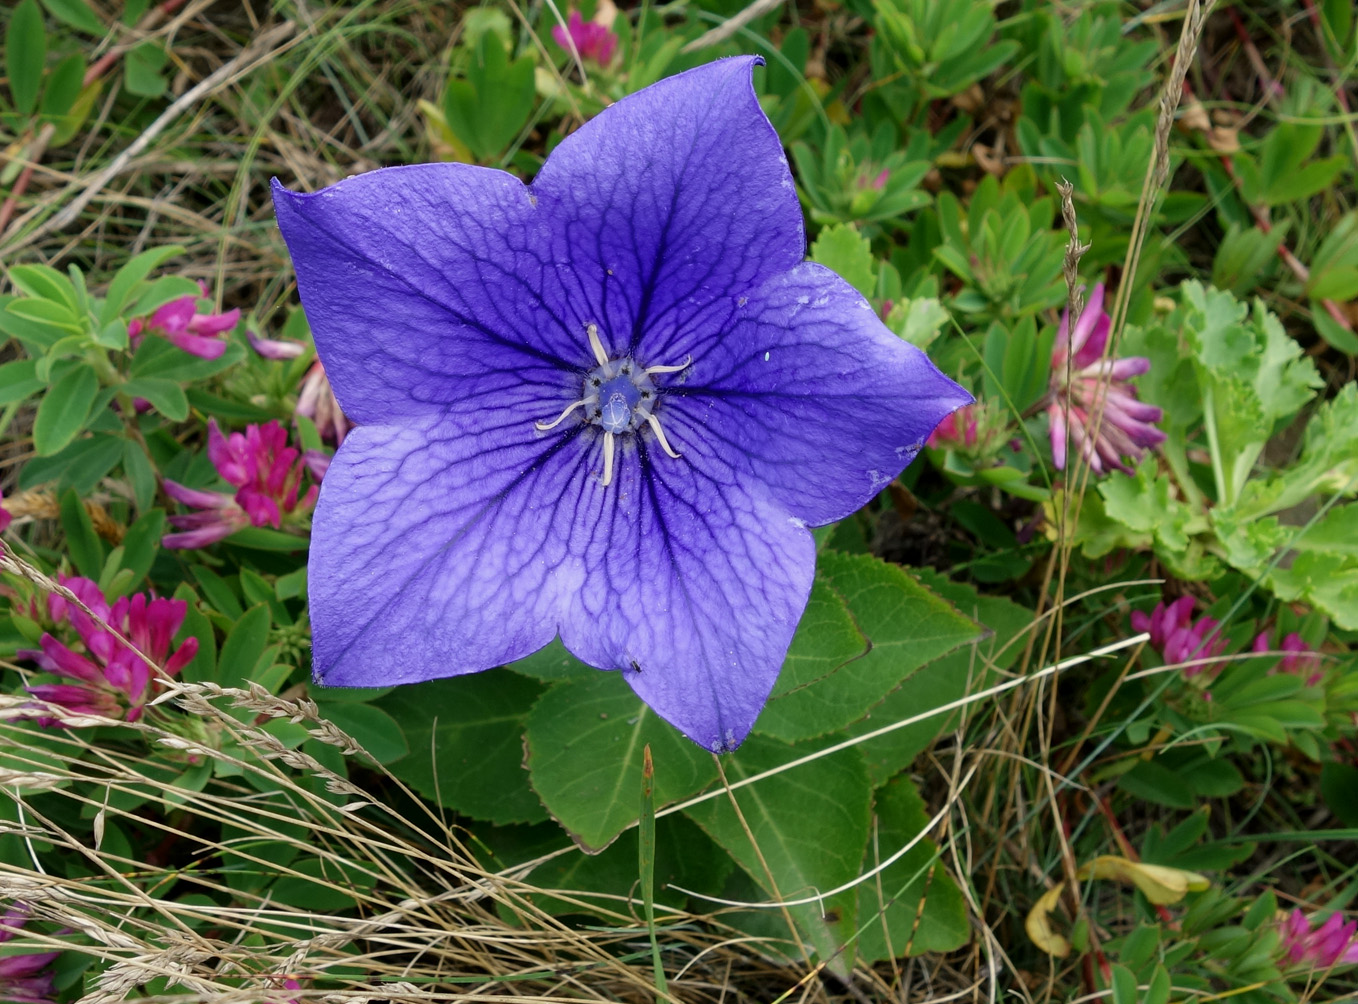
{"x":617,"y":398}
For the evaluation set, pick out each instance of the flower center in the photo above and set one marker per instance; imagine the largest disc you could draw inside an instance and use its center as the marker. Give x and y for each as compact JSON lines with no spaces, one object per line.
{"x":618,"y":396}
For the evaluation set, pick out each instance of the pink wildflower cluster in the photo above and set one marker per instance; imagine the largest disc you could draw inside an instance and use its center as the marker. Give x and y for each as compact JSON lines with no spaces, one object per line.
{"x":1333,"y":943}
{"x":1092,"y":384}
{"x":268,"y":477}
{"x":1298,"y":657}
{"x":1179,"y":638}
{"x":180,"y":323}
{"x":23,"y":979}
{"x":111,"y":679}
{"x":589,"y":38}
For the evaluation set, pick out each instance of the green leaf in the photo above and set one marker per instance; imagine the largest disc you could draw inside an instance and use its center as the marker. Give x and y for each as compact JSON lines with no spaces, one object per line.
{"x":130,"y":276}
{"x":263,"y":538}
{"x":904,"y":623}
{"x":142,"y":542}
{"x":140,"y":474}
{"x":466,"y":744}
{"x":842,"y":249}
{"x":552,"y":663}
{"x":25,"y":53}
{"x":944,"y":680}
{"x":19,"y":380}
{"x":46,"y":284}
{"x":63,"y":410}
{"x":374,"y":729}
{"x":584,"y":745}
{"x":488,"y":108}
{"x":77,"y":14}
{"x":166,"y":396}
{"x":166,"y":289}
{"x":244,"y":645}
{"x":826,"y":639}
{"x":143,"y":68}
{"x":82,"y":543}
{"x":63,"y":89}
{"x":810,"y":826}
{"x":913,"y":906}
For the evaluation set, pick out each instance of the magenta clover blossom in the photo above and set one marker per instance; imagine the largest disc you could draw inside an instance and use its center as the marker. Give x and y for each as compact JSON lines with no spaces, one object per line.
{"x":25,"y":978}
{"x":1089,"y":393}
{"x":603,"y":407}
{"x":180,"y":323}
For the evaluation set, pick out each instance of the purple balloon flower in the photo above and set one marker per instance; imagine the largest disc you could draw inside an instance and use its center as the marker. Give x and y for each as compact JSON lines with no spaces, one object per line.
{"x":605,"y":406}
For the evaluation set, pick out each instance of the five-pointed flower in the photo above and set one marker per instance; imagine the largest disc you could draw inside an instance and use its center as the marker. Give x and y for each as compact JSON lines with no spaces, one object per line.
{"x":604,"y":406}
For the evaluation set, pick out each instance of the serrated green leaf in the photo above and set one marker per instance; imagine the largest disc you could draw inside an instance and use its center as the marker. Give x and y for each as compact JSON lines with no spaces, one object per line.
{"x":905,"y":625}
{"x":914,"y":906}
{"x":489,"y":106}
{"x":466,"y":744}
{"x":810,"y":826}
{"x":25,"y":53}
{"x":942,"y":681}
{"x":585,"y":738}
{"x":842,"y":249}
{"x":826,"y":639}
{"x":63,"y":410}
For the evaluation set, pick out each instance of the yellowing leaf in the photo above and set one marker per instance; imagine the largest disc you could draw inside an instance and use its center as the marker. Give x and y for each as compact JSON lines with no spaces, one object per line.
{"x":1039,"y":927}
{"x":1159,"y":884}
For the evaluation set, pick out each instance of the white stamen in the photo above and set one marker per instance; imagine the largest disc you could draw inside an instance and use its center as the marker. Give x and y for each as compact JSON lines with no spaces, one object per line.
{"x":544,"y":426}
{"x":592,"y":331}
{"x":654,"y":423}
{"x":608,"y":458}
{"x":670,"y":369}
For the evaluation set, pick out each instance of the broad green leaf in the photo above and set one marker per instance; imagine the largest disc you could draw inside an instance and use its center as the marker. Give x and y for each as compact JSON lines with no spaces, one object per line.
{"x":25,"y":53}
{"x":842,"y":249}
{"x":944,"y":680}
{"x":141,"y":476}
{"x":158,"y":359}
{"x":373,"y":729}
{"x":46,"y":284}
{"x":166,"y":396}
{"x":826,"y":639}
{"x":585,"y":738}
{"x":466,"y":744}
{"x":144,"y":67}
{"x":243,"y":647}
{"x":811,"y":827}
{"x":82,"y":543}
{"x":130,"y":276}
{"x":63,"y":410}
{"x":913,"y":906}
{"x":63,"y":89}
{"x":19,"y":380}
{"x":77,"y":14}
{"x":905,"y":625}
{"x":142,"y":542}
{"x":51,"y":312}
{"x":685,"y":857}
{"x":487,"y":109}
{"x":552,"y":663}
{"x":263,"y":538}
